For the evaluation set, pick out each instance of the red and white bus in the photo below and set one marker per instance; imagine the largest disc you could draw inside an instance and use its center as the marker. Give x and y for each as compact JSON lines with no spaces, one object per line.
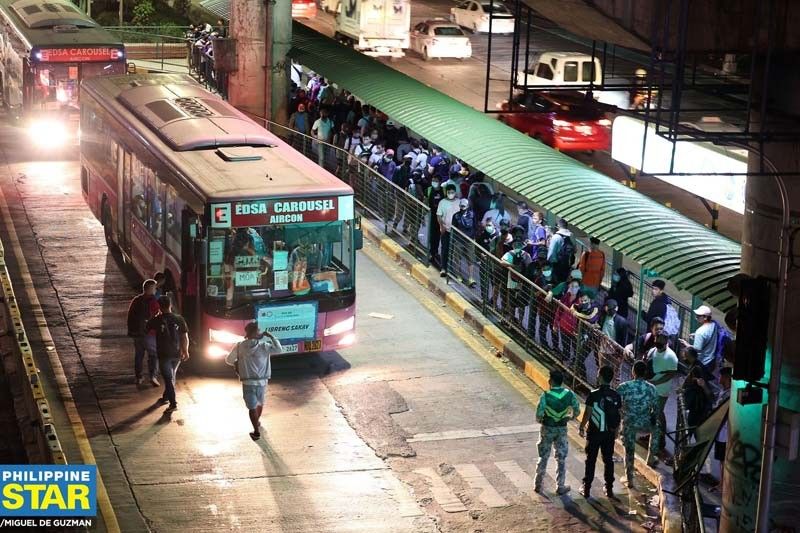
{"x":244,"y":226}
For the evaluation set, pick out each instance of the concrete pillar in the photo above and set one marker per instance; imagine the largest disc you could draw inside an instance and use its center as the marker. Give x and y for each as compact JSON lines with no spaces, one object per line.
{"x":246,"y":84}
{"x":281,"y":41}
{"x":760,"y":257}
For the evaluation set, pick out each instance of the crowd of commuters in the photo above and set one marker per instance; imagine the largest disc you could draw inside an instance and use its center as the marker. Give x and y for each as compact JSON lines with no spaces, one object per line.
{"x":525,"y":247}
{"x":200,"y":40}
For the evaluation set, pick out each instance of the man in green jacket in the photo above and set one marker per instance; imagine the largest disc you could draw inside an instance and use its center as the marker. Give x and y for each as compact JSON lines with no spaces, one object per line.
{"x":556,"y":407}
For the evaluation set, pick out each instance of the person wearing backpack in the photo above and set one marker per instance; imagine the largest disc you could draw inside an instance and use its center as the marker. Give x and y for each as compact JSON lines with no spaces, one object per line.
{"x":141,"y":309}
{"x":709,"y":341}
{"x":172,"y":345}
{"x":602,"y":416}
{"x":561,"y":253}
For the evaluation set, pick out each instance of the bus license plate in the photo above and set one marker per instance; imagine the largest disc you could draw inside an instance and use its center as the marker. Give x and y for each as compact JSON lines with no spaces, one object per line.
{"x":312,"y":346}
{"x":290,"y":348}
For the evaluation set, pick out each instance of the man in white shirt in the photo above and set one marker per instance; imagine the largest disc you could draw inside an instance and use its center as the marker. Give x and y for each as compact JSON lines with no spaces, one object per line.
{"x":665,"y":367}
{"x":448,"y":206}
{"x":251,"y":359}
{"x":704,"y":339}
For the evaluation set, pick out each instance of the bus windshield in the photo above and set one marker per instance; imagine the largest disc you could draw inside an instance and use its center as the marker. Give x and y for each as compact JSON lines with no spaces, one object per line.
{"x":247,"y":265}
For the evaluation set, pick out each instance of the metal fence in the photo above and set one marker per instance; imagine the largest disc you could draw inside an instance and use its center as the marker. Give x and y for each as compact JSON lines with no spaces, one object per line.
{"x":401,"y":214}
{"x":532,"y":316}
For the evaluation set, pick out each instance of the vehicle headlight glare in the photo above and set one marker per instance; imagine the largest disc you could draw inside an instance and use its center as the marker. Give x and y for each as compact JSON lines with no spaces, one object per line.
{"x":340,"y":327}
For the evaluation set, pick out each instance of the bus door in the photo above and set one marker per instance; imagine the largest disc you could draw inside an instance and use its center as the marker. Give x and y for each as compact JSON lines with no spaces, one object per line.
{"x":192,"y":249}
{"x":124,"y":198}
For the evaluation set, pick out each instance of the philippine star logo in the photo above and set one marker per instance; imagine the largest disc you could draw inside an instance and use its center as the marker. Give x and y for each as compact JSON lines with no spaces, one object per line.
{"x":47,"y":495}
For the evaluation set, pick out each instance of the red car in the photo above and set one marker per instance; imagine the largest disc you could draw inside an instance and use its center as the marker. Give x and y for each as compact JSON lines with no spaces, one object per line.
{"x":563,"y":120}
{"x":304,"y":9}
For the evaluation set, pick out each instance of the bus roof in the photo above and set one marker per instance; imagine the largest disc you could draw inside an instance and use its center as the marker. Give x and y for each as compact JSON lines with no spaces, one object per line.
{"x":219,"y":151}
{"x":54,"y":23}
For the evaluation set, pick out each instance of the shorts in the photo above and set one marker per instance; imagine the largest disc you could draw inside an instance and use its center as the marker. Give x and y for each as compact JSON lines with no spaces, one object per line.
{"x":253,"y":395}
{"x":719,"y":450}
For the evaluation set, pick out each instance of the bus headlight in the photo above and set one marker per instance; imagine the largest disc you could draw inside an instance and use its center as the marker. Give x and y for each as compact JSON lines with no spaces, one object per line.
{"x":48,"y":133}
{"x":215,"y":351}
{"x":224,"y":337}
{"x":340,"y":327}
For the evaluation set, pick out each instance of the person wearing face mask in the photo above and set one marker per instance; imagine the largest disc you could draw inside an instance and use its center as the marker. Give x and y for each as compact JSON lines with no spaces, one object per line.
{"x":387,"y":166}
{"x":565,"y":324}
{"x":664,"y":364}
{"x":464,"y":221}
{"x":621,"y":289}
{"x":376,"y":157}
{"x":540,"y":320}
{"x":445,"y":211}
{"x":402,"y":179}
{"x":363,"y":150}
{"x":433,"y":196}
{"x":487,"y":239}
{"x":420,"y":151}
{"x":516,"y":262}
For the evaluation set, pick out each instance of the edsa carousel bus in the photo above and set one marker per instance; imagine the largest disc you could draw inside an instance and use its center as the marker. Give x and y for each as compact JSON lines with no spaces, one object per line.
{"x":245,"y":227}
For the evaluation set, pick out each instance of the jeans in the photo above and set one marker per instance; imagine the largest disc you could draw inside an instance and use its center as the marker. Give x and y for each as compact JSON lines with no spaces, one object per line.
{"x":168,"y":369}
{"x":140,"y":346}
{"x":604,"y":443}
{"x":662,"y":423}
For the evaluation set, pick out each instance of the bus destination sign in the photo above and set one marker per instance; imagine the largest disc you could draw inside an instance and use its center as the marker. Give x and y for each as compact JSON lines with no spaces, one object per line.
{"x":281,"y":211}
{"x":78,"y":55}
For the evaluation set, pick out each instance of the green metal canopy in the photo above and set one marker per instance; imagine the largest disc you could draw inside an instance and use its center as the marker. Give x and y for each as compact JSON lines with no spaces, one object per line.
{"x":690,"y":255}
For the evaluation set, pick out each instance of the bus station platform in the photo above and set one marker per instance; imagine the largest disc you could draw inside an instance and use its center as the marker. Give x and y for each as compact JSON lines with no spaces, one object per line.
{"x":365,"y":439}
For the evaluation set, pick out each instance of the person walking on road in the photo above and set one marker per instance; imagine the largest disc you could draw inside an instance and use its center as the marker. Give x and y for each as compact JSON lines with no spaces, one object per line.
{"x":141,"y":309}
{"x":639,"y":415}
{"x":172,"y":345}
{"x":602,"y":416}
{"x":251,"y":359}
{"x":553,"y":413}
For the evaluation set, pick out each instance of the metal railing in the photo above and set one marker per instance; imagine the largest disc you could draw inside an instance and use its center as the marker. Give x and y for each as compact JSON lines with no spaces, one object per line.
{"x":539,"y":322}
{"x":401,"y":214}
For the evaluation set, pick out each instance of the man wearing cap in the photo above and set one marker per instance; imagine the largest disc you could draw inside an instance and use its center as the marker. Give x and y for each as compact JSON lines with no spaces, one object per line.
{"x":704,"y":340}
{"x":658,"y":306}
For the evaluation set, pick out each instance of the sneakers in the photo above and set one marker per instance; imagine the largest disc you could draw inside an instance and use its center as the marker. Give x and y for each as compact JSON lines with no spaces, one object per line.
{"x":162,"y":401}
{"x":443,"y":273}
{"x":154,"y":381}
{"x":585,"y":491}
{"x":172,"y":407}
{"x":610,"y":494}
{"x":563,"y":490}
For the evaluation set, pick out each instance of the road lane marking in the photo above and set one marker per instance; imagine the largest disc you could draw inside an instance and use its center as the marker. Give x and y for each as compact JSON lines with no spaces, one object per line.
{"x":472,"y":475}
{"x":441,"y":492}
{"x":70,"y":407}
{"x":473,"y":433}
{"x":517,"y":476}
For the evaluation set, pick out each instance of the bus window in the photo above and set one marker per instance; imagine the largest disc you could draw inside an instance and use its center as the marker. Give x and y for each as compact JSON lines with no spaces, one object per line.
{"x":174,"y":209}
{"x":155,"y":196}
{"x":279,"y":262}
{"x":138,"y":200}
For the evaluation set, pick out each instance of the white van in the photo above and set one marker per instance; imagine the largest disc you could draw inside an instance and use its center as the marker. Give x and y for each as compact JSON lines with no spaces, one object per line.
{"x":561,"y":68}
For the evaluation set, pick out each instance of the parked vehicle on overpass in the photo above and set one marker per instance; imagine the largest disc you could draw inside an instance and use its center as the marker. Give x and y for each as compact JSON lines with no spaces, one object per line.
{"x":440,"y":38}
{"x":304,"y":9}
{"x":563,"y":120}
{"x":576,"y":69}
{"x":245,"y":227}
{"x":374,"y":27}
{"x":475,"y":14}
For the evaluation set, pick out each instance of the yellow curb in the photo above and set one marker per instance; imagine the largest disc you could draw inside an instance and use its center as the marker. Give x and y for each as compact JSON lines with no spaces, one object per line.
{"x":391,"y":248}
{"x":457,"y":303}
{"x":538,"y":374}
{"x":420,"y":273}
{"x":496,"y":337}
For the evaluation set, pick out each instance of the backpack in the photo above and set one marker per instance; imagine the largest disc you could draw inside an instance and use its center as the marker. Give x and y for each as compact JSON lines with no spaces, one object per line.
{"x":566,"y":254}
{"x":723,"y":338}
{"x":611,"y":408}
{"x":168,"y":338}
{"x":672,"y":323}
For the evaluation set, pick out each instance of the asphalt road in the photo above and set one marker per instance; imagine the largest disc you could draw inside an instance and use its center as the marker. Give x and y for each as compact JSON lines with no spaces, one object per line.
{"x":418,"y":427}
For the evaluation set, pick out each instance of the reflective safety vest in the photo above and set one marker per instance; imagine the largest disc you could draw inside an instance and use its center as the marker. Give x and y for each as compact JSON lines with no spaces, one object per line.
{"x":557,"y":404}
